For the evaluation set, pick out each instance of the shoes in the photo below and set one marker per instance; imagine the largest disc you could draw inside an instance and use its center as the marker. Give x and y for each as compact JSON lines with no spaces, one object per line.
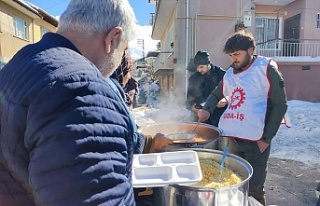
{"x":318,"y":190}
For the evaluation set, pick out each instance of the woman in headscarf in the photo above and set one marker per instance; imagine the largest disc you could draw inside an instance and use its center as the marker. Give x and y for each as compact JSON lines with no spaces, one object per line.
{"x":147,"y":143}
{"x":123,"y":75}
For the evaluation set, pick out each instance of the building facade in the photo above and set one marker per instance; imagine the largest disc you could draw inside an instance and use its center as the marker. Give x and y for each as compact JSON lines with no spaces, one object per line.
{"x":21,"y":23}
{"x":286,"y":30}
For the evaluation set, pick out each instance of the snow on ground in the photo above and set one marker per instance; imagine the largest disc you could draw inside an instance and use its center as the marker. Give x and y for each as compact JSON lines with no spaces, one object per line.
{"x":301,"y":142}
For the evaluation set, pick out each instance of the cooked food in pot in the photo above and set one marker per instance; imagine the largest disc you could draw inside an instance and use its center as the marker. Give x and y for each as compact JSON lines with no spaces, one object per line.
{"x":210,"y":172}
{"x":187,"y":137}
{"x":139,"y":109}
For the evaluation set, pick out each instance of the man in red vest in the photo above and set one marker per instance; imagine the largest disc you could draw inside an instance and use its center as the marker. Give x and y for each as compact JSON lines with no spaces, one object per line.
{"x":257,"y":103}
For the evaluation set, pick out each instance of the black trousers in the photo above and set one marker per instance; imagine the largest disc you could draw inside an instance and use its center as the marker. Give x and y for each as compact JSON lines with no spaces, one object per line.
{"x":250,"y":151}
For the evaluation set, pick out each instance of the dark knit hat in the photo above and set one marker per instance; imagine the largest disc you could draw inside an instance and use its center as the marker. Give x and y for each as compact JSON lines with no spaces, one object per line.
{"x":191,"y":67}
{"x":201,"y":58}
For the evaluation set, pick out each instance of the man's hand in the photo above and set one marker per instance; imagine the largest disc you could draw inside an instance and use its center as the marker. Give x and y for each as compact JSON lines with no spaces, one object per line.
{"x":161,"y":141}
{"x":203,"y":115}
{"x":222,"y":103}
{"x":195,"y":108}
{"x":262,"y":145}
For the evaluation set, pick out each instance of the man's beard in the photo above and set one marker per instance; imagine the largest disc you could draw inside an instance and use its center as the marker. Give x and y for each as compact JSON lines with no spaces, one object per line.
{"x":244,"y":64}
{"x":109,"y":63}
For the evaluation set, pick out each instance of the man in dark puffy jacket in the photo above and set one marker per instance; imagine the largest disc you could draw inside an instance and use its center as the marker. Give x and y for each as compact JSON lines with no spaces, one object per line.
{"x":201,"y":83}
{"x":66,"y":135}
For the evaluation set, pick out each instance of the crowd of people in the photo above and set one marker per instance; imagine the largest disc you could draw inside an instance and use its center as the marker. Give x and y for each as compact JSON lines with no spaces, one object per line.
{"x":67,"y":136}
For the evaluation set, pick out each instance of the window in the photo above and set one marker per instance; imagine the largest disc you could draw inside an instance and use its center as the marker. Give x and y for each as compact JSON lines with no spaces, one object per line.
{"x":318,"y":20}
{"x":44,"y":30}
{"x":21,"y":28}
{"x":266,"y":31}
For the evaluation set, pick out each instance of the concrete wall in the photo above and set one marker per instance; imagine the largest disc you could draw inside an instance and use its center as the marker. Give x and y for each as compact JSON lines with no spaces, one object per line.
{"x":214,"y":23}
{"x":301,"y":84}
{"x":310,"y":30}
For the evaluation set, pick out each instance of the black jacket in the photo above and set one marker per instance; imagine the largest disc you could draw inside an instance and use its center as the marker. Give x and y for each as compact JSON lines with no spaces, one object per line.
{"x":199,"y":88}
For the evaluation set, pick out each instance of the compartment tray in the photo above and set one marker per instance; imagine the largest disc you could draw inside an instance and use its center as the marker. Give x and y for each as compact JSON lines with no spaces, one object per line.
{"x":161,"y":169}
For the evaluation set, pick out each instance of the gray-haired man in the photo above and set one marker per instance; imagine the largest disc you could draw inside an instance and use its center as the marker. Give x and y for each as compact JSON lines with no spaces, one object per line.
{"x":66,"y":135}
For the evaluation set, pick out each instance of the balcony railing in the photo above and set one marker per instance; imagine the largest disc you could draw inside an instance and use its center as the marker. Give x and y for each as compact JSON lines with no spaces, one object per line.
{"x":164,"y":60}
{"x":289,"y":48}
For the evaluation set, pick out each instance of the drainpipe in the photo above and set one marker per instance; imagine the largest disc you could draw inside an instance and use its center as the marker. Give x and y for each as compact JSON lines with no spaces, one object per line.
{"x":187,"y":46}
{"x":32,"y":33}
{"x":241,"y":10}
{"x":195,"y":34}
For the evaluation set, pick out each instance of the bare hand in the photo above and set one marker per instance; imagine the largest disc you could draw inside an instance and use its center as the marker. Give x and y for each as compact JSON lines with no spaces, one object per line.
{"x":262,"y":145}
{"x":194,"y":109}
{"x":222,"y":103}
{"x":161,"y":141}
{"x":203,"y":115}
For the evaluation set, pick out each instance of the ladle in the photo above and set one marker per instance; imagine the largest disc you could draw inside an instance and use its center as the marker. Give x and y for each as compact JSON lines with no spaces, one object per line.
{"x":224,"y":155}
{"x":179,"y":136}
{"x":195,"y":128}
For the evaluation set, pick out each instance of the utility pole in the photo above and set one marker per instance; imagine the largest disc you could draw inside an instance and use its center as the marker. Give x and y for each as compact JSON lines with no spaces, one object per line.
{"x":141,"y":43}
{"x":152,"y":19}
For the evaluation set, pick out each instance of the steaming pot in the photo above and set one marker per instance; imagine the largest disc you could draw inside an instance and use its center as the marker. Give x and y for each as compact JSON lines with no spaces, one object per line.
{"x":234,"y":195}
{"x":209,"y":131}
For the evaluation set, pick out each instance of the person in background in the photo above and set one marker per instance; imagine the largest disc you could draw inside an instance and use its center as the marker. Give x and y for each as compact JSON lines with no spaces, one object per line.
{"x":201,"y":83}
{"x":132,"y":90}
{"x":255,"y":110}
{"x":146,"y":143}
{"x":123,"y":75}
{"x":66,"y":135}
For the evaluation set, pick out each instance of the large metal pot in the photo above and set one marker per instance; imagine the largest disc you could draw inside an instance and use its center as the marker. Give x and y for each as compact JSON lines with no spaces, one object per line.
{"x":235,"y":195}
{"x":183,"y":127}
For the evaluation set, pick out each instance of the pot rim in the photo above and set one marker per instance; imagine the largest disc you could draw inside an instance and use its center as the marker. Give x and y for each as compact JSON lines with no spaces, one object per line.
{"x":216,"y":129}
{"x":244,"y":162}
{"x":184,"y":122}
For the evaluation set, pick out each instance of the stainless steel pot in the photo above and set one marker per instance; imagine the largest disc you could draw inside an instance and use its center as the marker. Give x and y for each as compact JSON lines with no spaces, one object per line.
{"x":183,"y":127}
{"x":234,"y":195}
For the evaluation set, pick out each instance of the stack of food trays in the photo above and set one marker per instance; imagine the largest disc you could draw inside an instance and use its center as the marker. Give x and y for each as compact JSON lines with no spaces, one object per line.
{"x":167,"y":168}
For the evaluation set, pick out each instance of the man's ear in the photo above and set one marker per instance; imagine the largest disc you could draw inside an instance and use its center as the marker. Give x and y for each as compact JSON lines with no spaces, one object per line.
{"x":112,"y":39}
{"x":251,"y":50}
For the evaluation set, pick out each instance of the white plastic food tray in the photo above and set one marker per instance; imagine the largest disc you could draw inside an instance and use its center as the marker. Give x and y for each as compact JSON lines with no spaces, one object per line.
{"x":167,"y":168}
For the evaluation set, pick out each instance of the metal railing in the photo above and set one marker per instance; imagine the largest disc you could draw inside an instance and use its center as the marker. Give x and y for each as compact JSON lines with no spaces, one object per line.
{"x":164,"y":60}
{"x":289,"y":48}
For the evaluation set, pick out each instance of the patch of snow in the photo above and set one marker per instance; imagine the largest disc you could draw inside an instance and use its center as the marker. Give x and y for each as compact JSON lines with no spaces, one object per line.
{"x":301,"y":142}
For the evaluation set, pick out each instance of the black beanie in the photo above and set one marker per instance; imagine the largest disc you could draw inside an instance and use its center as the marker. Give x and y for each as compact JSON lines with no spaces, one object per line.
{"x":201,"y":58}
{"x":191,"y":67}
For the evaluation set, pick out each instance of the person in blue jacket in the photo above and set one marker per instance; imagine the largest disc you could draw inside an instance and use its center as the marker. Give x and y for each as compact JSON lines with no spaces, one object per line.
{"x":66,"y":134}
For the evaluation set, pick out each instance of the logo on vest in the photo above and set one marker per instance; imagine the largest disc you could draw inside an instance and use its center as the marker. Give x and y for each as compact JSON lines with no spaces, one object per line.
{"x":237,"y":98}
